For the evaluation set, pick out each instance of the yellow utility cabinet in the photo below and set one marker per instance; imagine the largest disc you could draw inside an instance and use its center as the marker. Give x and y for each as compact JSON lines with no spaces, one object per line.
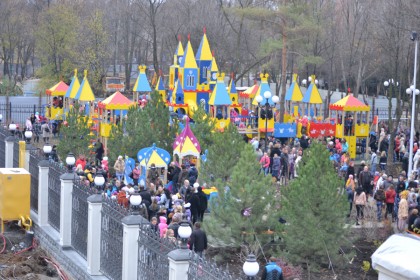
{"x":15,"y":190}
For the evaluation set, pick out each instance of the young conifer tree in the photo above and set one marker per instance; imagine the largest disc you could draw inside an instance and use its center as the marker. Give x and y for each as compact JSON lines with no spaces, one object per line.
{"x":223,"y":154}
{"x":314,"y":208}
{"x":244,"y":213}
{"x":75,"y":137}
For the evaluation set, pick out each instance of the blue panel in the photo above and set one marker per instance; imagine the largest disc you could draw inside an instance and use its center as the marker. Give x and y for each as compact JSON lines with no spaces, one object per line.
{"x":202,"y":64}
{"x":284,"y":130}
{"x":190,"y":79}
{"x":205,"y":96}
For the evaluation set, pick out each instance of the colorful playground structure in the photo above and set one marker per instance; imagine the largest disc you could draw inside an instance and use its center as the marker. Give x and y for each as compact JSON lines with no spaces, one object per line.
{"x":195,"y":81}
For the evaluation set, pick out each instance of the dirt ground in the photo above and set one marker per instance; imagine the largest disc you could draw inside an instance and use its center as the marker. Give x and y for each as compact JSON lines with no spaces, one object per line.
{"x":18,"y":263}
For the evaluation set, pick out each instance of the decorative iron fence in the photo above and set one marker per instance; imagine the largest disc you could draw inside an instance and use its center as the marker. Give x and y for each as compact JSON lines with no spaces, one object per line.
{"x":3,"y":135}
{"x":18,"y":113}
{"x":54,"y":193}
{"x":16,"y":154}
{"x":153,"y":260}
{"x":79,"y":223}
{"x":199,"y":268}
{"x":34,"y":158}
{"x":112,"y":238}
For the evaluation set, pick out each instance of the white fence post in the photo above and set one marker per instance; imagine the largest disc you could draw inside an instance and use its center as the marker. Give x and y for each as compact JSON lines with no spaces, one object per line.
{"x":131,"y":246}
{"x":8,"y":163}
{"x":66,"y":207}
{"x":44,"y":167}
{"x":94,"y":234}
{"x":179,"y":262}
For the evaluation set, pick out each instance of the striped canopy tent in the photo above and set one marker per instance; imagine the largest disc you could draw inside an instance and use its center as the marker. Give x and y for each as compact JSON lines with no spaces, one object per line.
{"x":74,"y":86}
{"x":294,"y":93}
{"x":186,"y":144}
{"x":59,"y":89}
{"x":116,"y":101}
{"x":350,"y":103}
{"x":72,"y":90}
{"x":219,"y":98}
{"x":250,"y":92}
{"x":312,"y":95}
{"x":154,"y":155}
{"x":142,"y":84}
{"x":264,"y":86}
{"x":85,"y":92}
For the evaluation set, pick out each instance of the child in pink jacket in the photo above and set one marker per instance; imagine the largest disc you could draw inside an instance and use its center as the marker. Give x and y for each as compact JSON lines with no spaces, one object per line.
{"x":163,"y":226}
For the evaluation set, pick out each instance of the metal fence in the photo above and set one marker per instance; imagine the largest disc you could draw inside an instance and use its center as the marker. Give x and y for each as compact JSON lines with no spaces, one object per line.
{"x":3,"y":135}
{"x":112,"y":238}
{"x":35,"y":156}
{"x":54,"y":194}
{"x":153,"y":260}
{"x":200,"y":268}
{"x":16,"y":153}
{"x":18,"y":113}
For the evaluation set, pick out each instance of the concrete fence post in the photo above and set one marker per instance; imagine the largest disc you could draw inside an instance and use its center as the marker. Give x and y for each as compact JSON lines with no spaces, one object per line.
{"x":131,"y":246}
{"x":28,"y":150}
{"x":66,"y":207}
{"x":94,"y":234}
{"x":179,"y":262}
{"x":10,"y":140}
{"x":44,"y":168}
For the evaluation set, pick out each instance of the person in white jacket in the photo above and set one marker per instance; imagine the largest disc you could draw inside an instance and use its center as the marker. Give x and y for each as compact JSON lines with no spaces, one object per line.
{"x":416,"y":160}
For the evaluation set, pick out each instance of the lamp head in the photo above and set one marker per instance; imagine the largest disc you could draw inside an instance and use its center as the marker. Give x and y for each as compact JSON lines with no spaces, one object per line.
{"x":310,"y":78}
{"x":135,"y":199}
{"x":259,"y":98}
{"x":304,"y":82}
{"x":413,"y":36}
{"x":386,"y":84}
{"x":184,"y":230}
{"x":28,"y":134}
{"x":47,"y":148}
{"x":267,"y":94}
{"x":70,"y":159}
{"x":12,"y":127}
{"x":413,"y":88}
{"x":99,"y":180}
{"x":251,"y":266}
{"x":408,"y":91}
{"x":275,"y":99}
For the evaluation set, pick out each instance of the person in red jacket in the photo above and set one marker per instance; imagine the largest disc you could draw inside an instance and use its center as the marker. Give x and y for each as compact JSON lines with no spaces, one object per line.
{"x":82,"y":161}
{"x":390,"y":195}
{"x":265,"y":164}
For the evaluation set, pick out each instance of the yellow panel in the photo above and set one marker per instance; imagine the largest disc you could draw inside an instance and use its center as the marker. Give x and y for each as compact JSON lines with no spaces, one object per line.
{"x":22,"y":159}
{"x":56,"y":113}
{"x":105,"y":129}
{"x":351,"y":140}
{"x":299,"y":130}
{"x":362,"y":130}
{"x":222,"y":124}
{"x":15,"y":191}
{"x":339,"y":131}
{"x":270,"y":125}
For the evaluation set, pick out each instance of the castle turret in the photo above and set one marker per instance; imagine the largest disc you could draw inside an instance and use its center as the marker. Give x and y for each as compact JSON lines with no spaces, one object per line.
{"x":214,"y":69}
{"x":174,"y":69}
{"x":204,"y":59}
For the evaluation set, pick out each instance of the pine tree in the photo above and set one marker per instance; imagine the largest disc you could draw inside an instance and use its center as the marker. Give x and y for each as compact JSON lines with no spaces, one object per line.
{"x":143,"y":127}
{"x":315,"y":209}
{"x":223,"y":154}
{"x":203,"y":128}
{"x":75,"y":137}
{"x":244,"y":215}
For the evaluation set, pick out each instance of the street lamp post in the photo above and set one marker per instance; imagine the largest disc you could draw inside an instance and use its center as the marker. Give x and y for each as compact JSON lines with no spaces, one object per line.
{"x":184,"y":232}
{"x":414,"y":92}
{"x":99,"y":181}
{"x":47,"y":149}
{"x":12,"y":128}
{"x":28,"y":136}
{"x":267,"y":107}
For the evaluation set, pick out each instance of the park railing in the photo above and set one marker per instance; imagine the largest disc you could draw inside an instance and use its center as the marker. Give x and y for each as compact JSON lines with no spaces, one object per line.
{"x":79,"y":221}
{"x":54,"y":194}
{"x":34,"y":158}
{"x":153,"y":253}
{"x":112,"y":238}
{"x":202,"y":269}
{"x":3,"y":135}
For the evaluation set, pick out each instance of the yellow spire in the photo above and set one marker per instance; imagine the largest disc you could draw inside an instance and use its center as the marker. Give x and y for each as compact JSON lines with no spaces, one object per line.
{"x":204,"y":52}
{"x":294,"y":79}
{"x":189,"y":59}
{"x":214,"y":67}
{"x":75,"y":72}
{"x":85,"y":73}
